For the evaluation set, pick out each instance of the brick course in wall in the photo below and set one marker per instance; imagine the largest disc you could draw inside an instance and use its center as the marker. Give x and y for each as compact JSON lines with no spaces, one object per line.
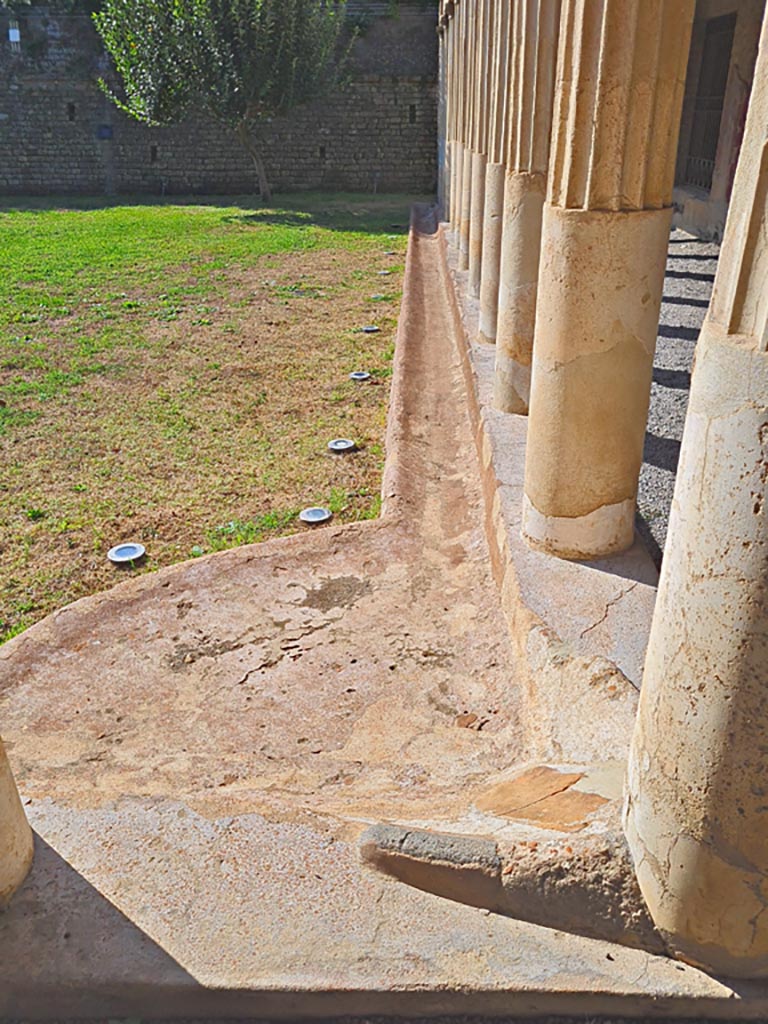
{"x":59,"y":133}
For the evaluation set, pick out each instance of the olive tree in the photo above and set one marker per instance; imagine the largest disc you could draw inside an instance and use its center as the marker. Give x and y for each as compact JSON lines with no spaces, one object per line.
{"x":241,"y":61}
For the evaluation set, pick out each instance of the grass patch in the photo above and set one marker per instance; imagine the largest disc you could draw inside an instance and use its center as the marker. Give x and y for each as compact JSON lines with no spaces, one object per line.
{"x":171,"y":373}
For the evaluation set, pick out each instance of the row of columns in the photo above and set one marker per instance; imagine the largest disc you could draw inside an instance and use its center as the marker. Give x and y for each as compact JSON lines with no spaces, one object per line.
{"x":586,"y":114}
{"x":573,"y":253}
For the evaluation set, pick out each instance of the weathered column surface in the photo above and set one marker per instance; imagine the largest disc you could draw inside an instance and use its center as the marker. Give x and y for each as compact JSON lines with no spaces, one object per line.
{"x":15,"y":835}
{"x":620,"y":78}
{"x":481,"y":16}
{"x":455,"y":109}
{"x":696,"y":815}
{"x":443,"y":103}
{"x":465,"y":206}
{"x":466,"y":21}
{"x":494,"y":174}
{"x":533,"y":59}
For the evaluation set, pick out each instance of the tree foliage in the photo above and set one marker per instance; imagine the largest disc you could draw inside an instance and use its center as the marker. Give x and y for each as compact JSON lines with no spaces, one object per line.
{"x":242,"y":61}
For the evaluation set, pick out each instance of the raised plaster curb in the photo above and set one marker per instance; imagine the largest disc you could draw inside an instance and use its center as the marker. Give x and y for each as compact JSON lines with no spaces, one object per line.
{"x":585,"y":884}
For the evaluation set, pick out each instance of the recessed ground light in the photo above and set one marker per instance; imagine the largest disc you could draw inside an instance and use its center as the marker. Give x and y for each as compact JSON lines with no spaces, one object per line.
{"x":359,"y":375}
{"x":390,"y":252}
{"x":383,"y":273}
{"x":123,"y":554}
{"x":378,"y":297}
{"x":341,"y":445}
{"x":370,"y":329}
{"x":316,"y":515}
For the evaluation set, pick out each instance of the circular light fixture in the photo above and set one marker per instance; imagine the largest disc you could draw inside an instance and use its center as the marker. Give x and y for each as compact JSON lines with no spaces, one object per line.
{"x":370,"y":329}
{"x":341,"y":445}
{"x":315,"y":515}
{"x":359,"y":375}
{"x":123,"y":554}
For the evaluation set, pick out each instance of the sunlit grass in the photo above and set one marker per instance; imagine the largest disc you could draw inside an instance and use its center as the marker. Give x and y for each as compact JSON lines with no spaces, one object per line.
{"x":171,"y":373}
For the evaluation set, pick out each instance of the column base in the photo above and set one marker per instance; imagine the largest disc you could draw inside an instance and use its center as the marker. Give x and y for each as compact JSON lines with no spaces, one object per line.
{"x":493,"y":216}
{"x":465,"y":208}
{"x":477,"y":205}
{"x":511,"y":384}
{"x":16,"y":845}
{"x":518,"y":277}
{"x":606,"y":531}
{"x":457,"y":159}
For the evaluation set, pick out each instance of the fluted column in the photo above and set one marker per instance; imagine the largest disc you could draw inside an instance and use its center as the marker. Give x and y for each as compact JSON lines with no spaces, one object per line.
{"x":495,"y":171}
{"x":696,"y":815}
{"x":533,"y":59}
{"x":455,"y":123}
{"x":15,"y":835}
{"x":620,"y":79}
{"x":443,"y":137}
{"x":468,"y":19}
{"x":482,"y":92}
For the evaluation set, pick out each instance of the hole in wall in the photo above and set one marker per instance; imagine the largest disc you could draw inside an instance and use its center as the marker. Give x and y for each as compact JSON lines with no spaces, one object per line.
{"x":412,"y":114}
{"x":322,"y":152}
{"x":153,"y":154}
{"x":71,"y":111}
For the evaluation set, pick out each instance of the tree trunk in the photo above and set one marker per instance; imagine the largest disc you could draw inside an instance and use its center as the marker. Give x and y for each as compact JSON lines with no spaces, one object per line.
{"x":247,"y":141}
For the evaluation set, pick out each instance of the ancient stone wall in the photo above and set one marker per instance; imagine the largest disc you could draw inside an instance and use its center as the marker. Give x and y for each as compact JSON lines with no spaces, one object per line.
{"x":59,"y":133}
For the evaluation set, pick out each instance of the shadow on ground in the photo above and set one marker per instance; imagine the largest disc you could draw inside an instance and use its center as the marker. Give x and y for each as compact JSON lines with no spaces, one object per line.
{"x":345,"y":211}
{"x":691,"y":266}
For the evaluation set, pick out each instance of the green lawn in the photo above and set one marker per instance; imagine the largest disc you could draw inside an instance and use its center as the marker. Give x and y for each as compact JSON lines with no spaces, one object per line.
{"x":171,"y":373}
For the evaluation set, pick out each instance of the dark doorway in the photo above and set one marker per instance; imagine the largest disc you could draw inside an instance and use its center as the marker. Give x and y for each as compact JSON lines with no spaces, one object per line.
{"x":708,"y":106}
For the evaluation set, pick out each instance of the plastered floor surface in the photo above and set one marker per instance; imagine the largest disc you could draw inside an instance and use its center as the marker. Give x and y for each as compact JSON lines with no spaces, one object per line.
{"x":199,"y":749}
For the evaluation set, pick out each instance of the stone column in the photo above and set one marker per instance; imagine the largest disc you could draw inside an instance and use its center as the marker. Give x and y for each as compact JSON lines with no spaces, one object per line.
{"x":740,"y":77}
{"x":443,"y":136}
{"x":495,"y":173}
{"x":533,"y":61}
{"x":468,"y":18}
{"x":620,"y":78}
{"x":455,"y":79}
{"x":696,"y":814}
{"x":479,"y":142}
{"x":15,"y":835}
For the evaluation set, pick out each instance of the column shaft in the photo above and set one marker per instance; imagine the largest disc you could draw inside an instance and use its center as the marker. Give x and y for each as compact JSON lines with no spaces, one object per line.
{"x":455,"y":81}
{"x":468,"y":19}
{"x":696,"y":815}
{"x":533,"y":61}
{"x":443,"y":144}
{"x":620,"y":79}
{"x":479,"y":143}
{"x":15,"y":835}
{"x":494,"y":174}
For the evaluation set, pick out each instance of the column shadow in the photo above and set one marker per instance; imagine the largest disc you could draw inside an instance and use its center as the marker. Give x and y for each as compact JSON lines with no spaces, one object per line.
{"x":67,"y":951}
{"x":677,"y":379}
{"x":690,"y":275}
{"x":679,"y":332}
{"x":685,"y":300}
{"x":662,"y":452}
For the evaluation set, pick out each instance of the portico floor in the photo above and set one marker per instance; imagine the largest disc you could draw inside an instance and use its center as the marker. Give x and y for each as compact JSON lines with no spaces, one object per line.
{"x":199,"y":750}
